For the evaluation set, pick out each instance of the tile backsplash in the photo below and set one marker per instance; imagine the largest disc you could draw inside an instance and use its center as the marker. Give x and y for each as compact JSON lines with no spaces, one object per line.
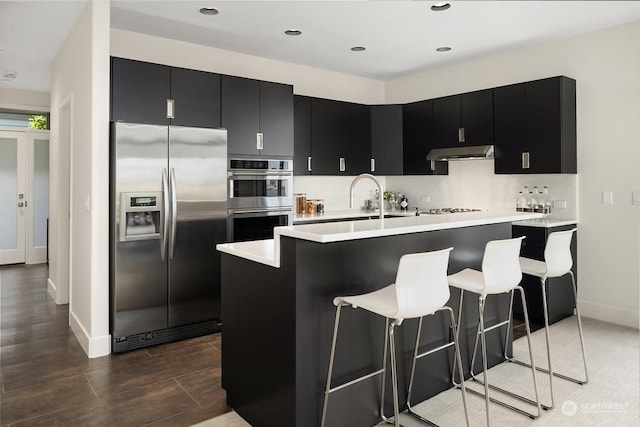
{"x":470,"y":184}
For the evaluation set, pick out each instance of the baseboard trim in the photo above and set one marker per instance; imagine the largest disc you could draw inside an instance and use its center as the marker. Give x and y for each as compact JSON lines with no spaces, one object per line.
{"x":610,"y":314}
{"x":94,"y":347}
{"x":51,"y":289}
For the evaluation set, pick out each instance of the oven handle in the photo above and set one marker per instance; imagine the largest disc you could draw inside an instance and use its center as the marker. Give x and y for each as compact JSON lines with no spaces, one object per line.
{"x":254,"y":211}
{"x":261,"y":173}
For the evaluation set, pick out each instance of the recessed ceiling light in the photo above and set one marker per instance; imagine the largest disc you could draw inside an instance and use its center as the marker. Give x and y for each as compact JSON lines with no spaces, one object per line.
{"x":443,"y":49}
{"x":293,"y":32}
{"x":358,"y":48}
{"x":209,"y":11}
{"x":439,"y":7}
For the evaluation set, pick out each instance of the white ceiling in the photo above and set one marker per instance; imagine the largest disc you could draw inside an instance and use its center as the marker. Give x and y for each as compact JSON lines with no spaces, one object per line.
{"x":400,"y":36}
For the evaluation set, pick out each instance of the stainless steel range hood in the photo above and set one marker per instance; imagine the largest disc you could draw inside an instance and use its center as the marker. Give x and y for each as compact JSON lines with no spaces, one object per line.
{"x":461,"y":153}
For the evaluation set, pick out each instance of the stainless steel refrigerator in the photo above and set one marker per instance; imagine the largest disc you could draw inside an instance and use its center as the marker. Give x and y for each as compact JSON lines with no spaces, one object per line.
{"x":168,"y":210}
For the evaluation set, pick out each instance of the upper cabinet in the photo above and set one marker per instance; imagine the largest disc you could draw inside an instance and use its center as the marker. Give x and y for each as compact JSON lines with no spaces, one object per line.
{"x":463,"y":119}
{"x":535,"y":127}
{"x":301,"y":135}
{"x":386,"y":140}
{"x":258,"y":117}
{"x":355,"y":147}
{"x":418,"y":140}
{"x":331,"y":137}
{"x":142,"y":92}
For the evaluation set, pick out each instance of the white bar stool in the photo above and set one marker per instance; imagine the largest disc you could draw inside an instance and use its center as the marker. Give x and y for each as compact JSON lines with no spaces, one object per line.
{"x":557,"y":262}
{"x":500,"y":274}
{"x":420,"y":289}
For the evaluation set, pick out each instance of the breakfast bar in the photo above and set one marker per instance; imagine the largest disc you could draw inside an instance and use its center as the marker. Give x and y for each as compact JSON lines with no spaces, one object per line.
{"x":278,"y":314}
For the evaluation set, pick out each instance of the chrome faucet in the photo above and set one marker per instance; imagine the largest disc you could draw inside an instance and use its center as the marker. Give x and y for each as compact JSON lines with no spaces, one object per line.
{"x":372,"y":178}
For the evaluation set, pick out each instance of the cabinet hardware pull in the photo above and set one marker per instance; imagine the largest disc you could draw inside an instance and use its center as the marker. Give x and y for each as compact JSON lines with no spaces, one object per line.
{"x":343,"y":164}
{"x":309,"y":163}
{"x":171,"y":109}
{"x":525,"y":160}
{"x":433,"y":165}
{"x":373,"y":165}
{"x":461,"y":135}
{"x":259,"y":141}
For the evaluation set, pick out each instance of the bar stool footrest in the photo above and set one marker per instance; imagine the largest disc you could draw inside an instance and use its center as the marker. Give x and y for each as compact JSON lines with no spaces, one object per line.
{"x":504,"y":404}
{"x":546,"y":371}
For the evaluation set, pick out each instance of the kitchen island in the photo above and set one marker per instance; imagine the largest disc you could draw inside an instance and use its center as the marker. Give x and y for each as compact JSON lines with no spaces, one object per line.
{"x":277,"y":314}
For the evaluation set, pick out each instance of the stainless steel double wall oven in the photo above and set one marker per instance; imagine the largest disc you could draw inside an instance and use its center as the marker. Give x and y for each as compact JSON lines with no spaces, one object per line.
{"x":259,"y":197}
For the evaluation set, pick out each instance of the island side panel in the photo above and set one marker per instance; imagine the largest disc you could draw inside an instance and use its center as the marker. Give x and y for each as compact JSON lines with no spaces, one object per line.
{"x":324,"y":271}
{"x":258,"y":341}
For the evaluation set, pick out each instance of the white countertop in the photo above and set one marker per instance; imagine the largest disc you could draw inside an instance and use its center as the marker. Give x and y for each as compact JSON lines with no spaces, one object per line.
{"x":268,"y":251}
{"x":546,"y":222}
{"x":344,"y":214}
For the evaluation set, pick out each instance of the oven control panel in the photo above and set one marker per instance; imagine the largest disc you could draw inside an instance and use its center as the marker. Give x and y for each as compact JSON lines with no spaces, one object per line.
{"x":260,"y":164}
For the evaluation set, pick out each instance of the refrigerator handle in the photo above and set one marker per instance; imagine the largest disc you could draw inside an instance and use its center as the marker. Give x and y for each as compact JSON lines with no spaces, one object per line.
{"x":165,"y":213}
{"x":174,"y":212}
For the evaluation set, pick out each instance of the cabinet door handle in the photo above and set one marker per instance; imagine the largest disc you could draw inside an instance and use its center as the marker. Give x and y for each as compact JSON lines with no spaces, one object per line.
{"x":309,"y":163}
{"x":259,"y":141}
{"x":171,"y":109}
{"x":433,"y":165}
{"x":373,"y":165}
{"x":461,"y":135}
{"x":525,"y":160}
{"x":343,"y":164}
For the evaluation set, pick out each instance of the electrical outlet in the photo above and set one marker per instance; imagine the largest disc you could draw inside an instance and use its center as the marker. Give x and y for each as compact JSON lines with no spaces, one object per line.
{"x":635,"y":198}
{"x":607,"y":197}
{"x":426,"y":199}
{"x":560,"y":204}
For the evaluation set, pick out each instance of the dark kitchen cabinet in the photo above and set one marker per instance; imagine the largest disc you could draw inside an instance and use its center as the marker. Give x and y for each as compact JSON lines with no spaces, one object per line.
{"x":141,"y":92}
{"x":559,"y":289}
{"x":463,"y":119}
{"x":386,"y":139}
{"x":418,"y":140}
{"x":196,"y":96}
{"x":535,"y":127}
{"x":331,"y":137}
{"x":326,"y":136}
{"x":301,"y":135}
{"x":355,"y":148}
{"x":258,"y":117}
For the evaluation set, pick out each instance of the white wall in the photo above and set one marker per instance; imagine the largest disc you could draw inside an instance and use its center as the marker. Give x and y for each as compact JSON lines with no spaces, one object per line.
{"x":29,"y":100}
{"x":306,"y":80}
{"x":80,"y":87}
{"x":606,"y":66}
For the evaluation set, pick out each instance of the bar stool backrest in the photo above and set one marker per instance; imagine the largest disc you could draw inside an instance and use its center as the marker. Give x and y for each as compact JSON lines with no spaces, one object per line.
{"x":501,"y":265}
{"x":557,"y":253}
{"x":421,"y":283}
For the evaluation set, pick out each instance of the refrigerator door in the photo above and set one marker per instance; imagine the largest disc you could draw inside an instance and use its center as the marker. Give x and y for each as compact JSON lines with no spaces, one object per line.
{"x":138,"y":272}
{"x":198,"y":177}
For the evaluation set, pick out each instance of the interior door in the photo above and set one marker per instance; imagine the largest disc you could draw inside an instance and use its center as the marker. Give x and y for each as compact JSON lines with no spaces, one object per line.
{"x":13,"y":154}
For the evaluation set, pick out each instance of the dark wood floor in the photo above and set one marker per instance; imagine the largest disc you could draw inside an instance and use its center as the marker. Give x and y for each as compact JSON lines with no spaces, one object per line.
{"x":47,"y":378}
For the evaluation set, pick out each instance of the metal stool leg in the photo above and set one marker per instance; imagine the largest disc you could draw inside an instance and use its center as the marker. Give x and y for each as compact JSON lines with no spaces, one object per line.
{"x":482,"y":330}
{"x":331,"y":357}
{"x":457,"y":362}
{"x":548,"y":342}
{"x":457,"y":337}
{"x":394,"y":374}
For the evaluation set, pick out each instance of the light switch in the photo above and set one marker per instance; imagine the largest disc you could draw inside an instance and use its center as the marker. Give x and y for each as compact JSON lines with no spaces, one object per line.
{"x":607,"y":197}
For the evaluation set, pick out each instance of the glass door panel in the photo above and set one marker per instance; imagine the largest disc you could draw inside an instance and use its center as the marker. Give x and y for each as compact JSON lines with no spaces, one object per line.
{"x":12,"y":193}
{"x":38,"y":185}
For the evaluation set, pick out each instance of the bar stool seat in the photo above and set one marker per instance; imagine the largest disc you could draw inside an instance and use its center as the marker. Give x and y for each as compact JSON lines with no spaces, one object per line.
{"x":500,"y":274}
{"x":420,"y":289}
{"x":557,"y":262}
